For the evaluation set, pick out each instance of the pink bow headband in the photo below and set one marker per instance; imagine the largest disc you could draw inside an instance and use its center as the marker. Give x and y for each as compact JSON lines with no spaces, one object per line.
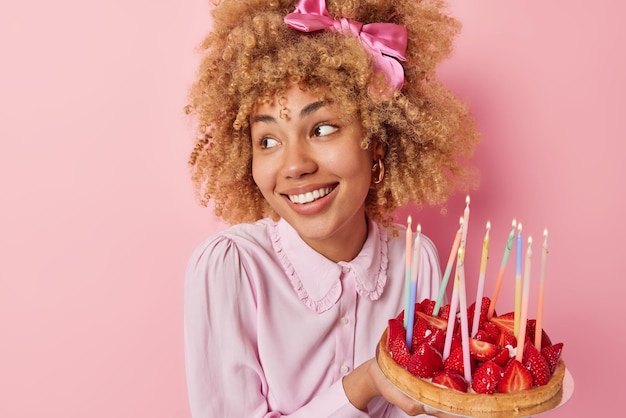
{"x":386,"y":42}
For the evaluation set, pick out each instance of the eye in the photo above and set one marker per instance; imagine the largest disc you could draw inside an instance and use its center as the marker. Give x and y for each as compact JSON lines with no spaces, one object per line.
{"x":323,"y":130}
{"x":268,"y":142}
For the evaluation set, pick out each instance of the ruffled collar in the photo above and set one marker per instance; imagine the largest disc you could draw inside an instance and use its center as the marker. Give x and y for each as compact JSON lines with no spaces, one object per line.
{"x":317,"y":280}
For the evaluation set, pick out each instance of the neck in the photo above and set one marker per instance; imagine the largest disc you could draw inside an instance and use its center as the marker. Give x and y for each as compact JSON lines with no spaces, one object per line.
{"x":345,"y":245}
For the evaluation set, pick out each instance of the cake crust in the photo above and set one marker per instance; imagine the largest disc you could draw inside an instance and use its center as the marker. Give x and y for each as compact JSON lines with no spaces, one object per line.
{"x":497,"y":405}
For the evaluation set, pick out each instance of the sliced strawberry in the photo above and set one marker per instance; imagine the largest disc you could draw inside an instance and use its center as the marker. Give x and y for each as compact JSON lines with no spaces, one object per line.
{"x":545,"y":339}
{"x":482,"y":335}
{"x":399,"y":352}
{"x":486,"y":377}
{"x":427,"y":306}
{"x":436,"y":339}
{"x":395,"y":330}
{"x":451,"y":379}
{"x":505,"y":322}
{"x":503,"y":357}
{"x":420,"y":331}
{"x":444,"y":312}
{"x":457,"y":341}
{"x":491,"y":329}
{"x":484,"y":309}
{"x":537,"y":365}
{"x":482,"y":350}
{"x":552,"y":354}
{"x":433,"y":321}
{"x":505,"y":339}
{"x":396,"y":342}
{"x":455,"y":360}
{"x":425,"y":361}
{"x":515,"y":378}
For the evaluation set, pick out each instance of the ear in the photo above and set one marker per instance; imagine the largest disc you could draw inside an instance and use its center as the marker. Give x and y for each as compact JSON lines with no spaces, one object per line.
{"x":379,"y":151}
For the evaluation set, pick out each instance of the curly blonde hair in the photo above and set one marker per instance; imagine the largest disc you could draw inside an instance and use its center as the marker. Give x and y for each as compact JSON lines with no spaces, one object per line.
{"x":251,"y":55}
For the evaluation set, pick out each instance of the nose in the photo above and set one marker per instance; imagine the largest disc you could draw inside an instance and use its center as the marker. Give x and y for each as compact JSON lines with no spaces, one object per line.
{"x":297,"y":161}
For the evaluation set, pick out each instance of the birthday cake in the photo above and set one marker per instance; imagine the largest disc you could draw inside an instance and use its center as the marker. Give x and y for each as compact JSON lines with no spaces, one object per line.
{"x":503,"y":383}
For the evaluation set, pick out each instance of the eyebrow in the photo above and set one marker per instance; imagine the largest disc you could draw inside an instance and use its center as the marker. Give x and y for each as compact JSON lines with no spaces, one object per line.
{"x":306,"y":110}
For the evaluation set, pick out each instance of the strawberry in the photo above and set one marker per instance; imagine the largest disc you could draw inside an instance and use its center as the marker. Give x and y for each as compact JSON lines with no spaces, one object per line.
{"x":505,"y":339}
{"x":552,"y":354}
{"x":395,"y":330}
{"x":444,"y":312}
{"x":487,"y":377}
{"x":427,"y":306}
{"x":425,"y":361}
{"x":545,"y":340}
{"x":505,"y":322}
{"x":484,"y":309}
{"x":537,"y":365}
{"x":451,"y":379}
{"x":455,"y":360}
{"x":436,"y":338}
{"x":433,"y":321}
{"x":482,"y":335}
{"x":502,"y":358}
{"x":420,"y":331}
{"x":482,"y":350}
{"x":491,"y":329}
{"x":396,"y":342}
{"x":515,"y":378}
{"x":456,"y":340}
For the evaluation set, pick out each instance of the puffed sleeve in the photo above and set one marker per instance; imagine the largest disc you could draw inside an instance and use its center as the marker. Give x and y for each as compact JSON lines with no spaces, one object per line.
{"x":224,"y":377}
{"x":224,"y":374}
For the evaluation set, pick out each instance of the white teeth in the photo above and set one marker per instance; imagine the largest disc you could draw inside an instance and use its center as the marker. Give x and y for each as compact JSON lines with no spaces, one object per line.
{"x":309,"y":196}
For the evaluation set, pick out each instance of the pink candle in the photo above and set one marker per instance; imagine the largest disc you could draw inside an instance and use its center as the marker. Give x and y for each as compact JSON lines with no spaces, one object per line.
{"x":481,"y":281}
{"x":518,"y":279}
{"x":454,"y":305}
{"x":467,"y":371}
{"x":446,"y":274}
{"x":542,"y":278}
{"x":407,"y":279}
{"x":505,"y":260}
{"x":524,"y":311}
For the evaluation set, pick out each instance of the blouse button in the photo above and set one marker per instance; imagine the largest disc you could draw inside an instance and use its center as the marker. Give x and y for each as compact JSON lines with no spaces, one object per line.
{"x":345,"y":321}
{"x":344,"y":369}
{"x":345,"y":269}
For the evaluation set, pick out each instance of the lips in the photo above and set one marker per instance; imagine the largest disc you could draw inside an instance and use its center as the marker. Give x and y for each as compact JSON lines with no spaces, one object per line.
{"x":309,"y":197}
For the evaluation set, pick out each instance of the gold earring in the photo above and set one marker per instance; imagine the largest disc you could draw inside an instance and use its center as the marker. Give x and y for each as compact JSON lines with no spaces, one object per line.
{"x":378,"y":167}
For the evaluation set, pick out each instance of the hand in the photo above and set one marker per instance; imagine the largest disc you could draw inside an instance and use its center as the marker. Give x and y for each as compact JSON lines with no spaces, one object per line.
{"x":367,"y":382}
{"x":437,"y":413}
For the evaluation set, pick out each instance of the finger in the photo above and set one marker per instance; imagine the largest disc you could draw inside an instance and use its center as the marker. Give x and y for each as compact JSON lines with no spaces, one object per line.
{"x":393,"y":395}
{"x":430,"y":410}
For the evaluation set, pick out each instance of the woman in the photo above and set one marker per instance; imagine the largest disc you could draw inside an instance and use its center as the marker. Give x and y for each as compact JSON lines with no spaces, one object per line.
{"x":314,"y":126}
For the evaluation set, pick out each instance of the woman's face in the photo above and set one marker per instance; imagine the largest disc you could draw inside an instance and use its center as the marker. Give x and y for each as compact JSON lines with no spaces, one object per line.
{"x":311,"y":169}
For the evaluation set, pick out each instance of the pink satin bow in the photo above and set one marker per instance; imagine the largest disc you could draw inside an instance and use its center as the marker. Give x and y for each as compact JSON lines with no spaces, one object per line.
{"x":386,"y":42}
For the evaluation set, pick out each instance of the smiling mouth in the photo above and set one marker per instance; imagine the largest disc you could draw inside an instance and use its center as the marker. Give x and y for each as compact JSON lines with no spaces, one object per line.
{"x":310,"y":196}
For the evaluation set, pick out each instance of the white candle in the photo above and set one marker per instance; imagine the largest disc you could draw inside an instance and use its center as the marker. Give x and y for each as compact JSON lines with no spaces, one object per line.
{"x":518,"y":279}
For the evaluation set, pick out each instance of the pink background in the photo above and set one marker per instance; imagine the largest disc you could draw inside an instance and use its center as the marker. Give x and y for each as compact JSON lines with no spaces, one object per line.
{"x":98,"y":216}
